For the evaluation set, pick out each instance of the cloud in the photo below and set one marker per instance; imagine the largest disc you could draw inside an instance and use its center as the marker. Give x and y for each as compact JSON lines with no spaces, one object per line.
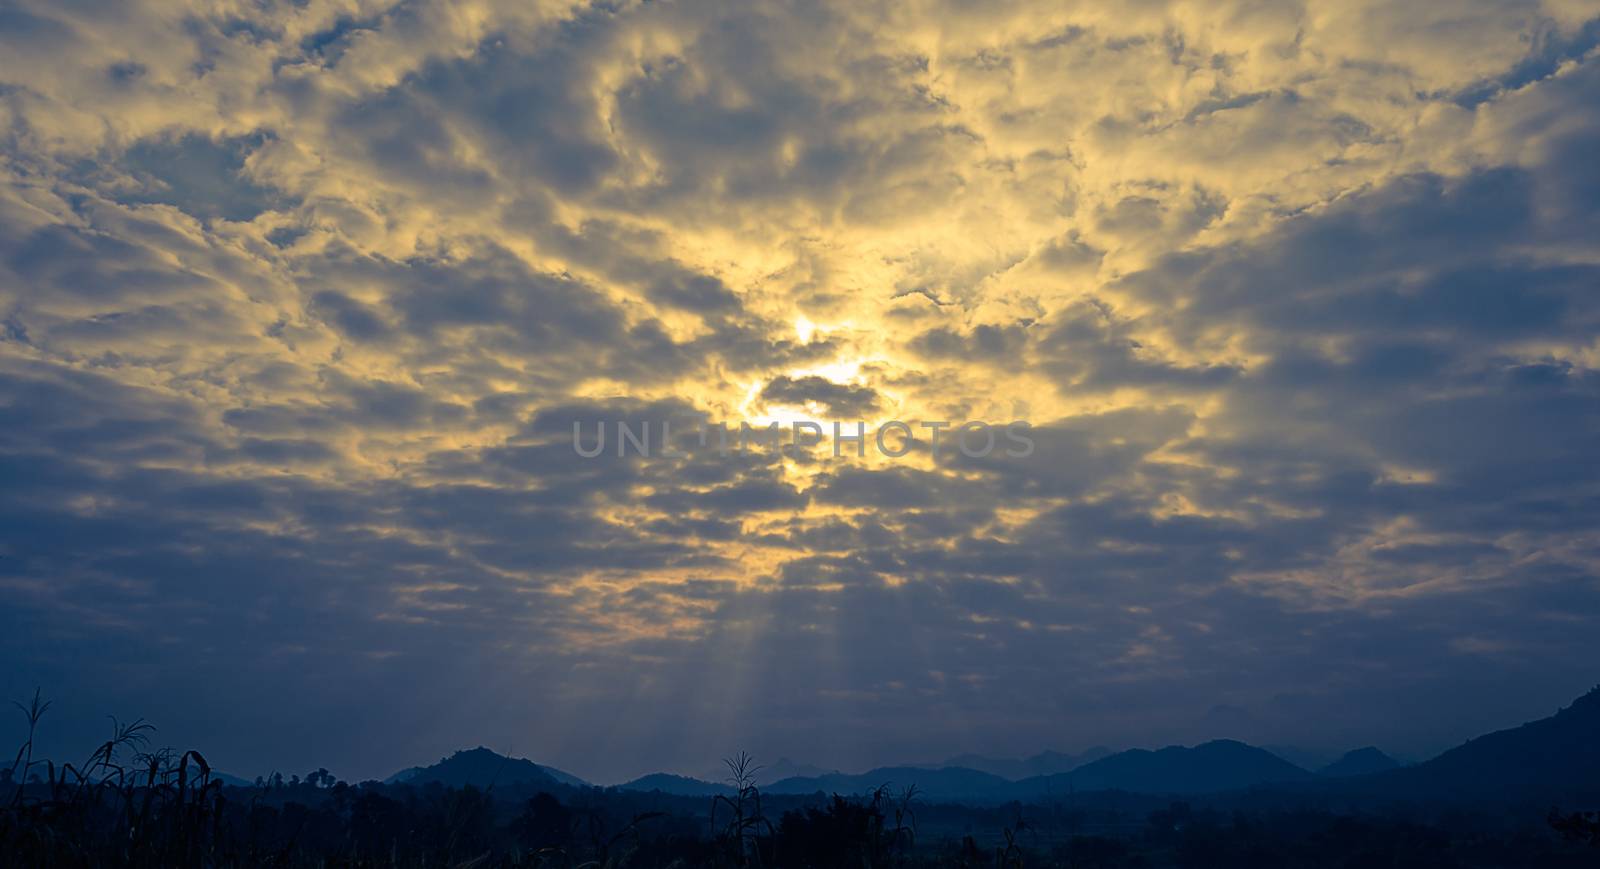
{"x":299,"y":304}
{"x":841,"y":400}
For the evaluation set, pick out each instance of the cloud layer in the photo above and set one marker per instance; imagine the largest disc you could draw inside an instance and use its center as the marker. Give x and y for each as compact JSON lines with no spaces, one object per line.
{"x":299,"y":303}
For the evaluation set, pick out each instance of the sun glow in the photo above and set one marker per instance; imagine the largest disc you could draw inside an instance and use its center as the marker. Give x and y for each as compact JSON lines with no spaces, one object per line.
{"x":846,"y":371}
{"x":804,"y":328}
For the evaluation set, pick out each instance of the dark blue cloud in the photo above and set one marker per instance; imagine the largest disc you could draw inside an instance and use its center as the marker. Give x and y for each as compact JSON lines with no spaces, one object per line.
{"x":298,"y":320}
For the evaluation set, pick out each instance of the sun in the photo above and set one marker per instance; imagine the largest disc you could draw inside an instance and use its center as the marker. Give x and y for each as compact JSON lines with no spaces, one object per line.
{"x":804,"y":329}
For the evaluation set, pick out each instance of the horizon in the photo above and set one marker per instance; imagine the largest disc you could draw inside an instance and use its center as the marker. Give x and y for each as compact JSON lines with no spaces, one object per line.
{"x":626,"y":385}
{"x":1306,"y":757}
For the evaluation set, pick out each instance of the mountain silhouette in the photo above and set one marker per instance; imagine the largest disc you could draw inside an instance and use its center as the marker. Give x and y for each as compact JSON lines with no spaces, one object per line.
{"x":481,"y":767}
{"x":1305,"y":758}
{"x":676,"y":785}
{"x":785,"y":768}
{"x":1016,"y":769}
{"x":1555,"y":760}
{"x":1552,"y":760}
{"x":1362,"y":761}
{"x":1211,"y":767}
{"x":944,"y":784}
{"x":232,"y":781}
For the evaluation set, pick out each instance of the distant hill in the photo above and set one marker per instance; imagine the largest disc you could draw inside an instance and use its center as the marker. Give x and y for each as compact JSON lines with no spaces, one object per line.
{"x":1016,"y":769}
{"x":1305,"y":758}
{"x":945,"y":784}
{"x":1362,"y":761}
{"x":232,"y":781}
{"x":1211,"y":767}
{"x":676,"y":785}
{"x":480,"y":767}
{"x":785,"y":768}
{"x":1554,"y":760}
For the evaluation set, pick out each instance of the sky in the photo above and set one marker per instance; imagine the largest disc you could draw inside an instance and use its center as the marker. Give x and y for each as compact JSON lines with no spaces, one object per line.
{"x":299,"y":302}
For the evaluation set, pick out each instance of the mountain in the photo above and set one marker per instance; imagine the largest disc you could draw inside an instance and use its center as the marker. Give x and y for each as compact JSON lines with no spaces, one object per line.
{"x":1043,"y":763}
{"x":1220,"y":765}
{"x":1305,"y":758}
{"x":481,"y":767}
{"x":1554,"y":760}
{"x":786,"y":768}
{"x":945,"y":784}
{"x":1217,"y":766}
{"x":1362,"y":761}
{"x":676,"y":785}
{"x":232,"y":781}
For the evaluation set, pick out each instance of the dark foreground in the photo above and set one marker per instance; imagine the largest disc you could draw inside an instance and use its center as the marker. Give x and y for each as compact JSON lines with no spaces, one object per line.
{"x":169,"y":811}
